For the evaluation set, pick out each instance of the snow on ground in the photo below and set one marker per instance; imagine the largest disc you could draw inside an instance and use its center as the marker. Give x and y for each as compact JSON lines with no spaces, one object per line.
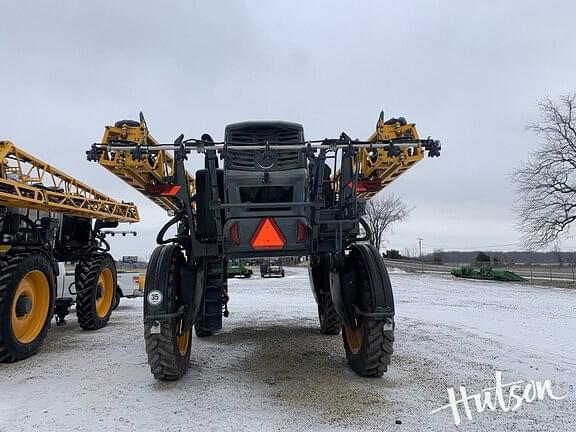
{"x":270,"y":369}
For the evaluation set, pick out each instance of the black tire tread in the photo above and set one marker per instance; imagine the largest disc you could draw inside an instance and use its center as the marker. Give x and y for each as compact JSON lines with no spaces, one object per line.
{"x":162,"y":352}
{"x":375,"y":354}
{"x":202,"y":332}
{"x":165,"y":361}
{"x":329,"y":321}
{"x":87,"y":273}
{"x":319,"y":276}
{"x":116,"y":301}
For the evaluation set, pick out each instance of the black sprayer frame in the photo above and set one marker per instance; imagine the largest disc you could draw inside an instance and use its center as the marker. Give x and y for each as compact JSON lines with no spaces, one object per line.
{"x":340,"y":222}
{"x":333,"y":226}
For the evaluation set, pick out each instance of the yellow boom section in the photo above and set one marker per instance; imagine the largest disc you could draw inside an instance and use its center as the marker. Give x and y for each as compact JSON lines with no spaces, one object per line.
{"x":380,"y":167}
{"x":140,"y":173}
{"x":397,"y":148}
{"x":28,"y":182}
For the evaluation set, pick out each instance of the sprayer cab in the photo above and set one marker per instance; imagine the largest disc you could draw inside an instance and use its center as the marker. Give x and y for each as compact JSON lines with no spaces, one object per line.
{"x":265,"y":193}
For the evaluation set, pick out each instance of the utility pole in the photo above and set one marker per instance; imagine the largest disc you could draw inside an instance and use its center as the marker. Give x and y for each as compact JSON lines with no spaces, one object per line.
{"x":420,"y":246}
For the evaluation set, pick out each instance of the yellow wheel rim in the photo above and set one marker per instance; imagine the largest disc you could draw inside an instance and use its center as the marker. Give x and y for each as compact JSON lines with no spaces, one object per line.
{"x":104,"y":292}
{"x":354,"y":338}
{"x":184,"y":340}
{"x":30,"y":306}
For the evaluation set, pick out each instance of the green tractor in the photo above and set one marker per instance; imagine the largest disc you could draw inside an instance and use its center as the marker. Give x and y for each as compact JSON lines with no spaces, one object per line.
{"x":237,"y":268}
{"x":487,"y":273}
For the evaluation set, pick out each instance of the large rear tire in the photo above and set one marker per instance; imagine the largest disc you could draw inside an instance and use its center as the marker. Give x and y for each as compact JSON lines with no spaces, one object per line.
{"x":116,"y":301}
{"x":168,"y":352}
{"x":319,"y":273}
{"x":329,"y":320}
{"x":27,"y":287}
{"x":369,"y":345}
{"x":202,"y":332}
{"x":199,"y":323}
{"x":95,"y":290}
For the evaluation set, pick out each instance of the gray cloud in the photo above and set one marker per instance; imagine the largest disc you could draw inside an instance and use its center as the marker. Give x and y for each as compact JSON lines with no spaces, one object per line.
{"x":467,"y":73}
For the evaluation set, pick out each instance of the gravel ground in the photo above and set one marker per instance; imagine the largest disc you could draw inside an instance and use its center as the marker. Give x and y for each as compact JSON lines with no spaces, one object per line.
{"x":270,"y":369}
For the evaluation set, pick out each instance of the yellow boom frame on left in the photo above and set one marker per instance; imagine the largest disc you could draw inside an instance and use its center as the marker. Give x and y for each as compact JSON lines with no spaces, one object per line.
{"x":28,"y":182}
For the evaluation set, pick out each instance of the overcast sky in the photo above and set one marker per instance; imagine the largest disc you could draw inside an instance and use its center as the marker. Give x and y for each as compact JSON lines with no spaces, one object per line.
{"x":467,"y":73}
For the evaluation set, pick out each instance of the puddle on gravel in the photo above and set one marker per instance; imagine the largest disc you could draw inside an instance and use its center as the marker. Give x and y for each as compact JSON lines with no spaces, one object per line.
{"x":307,"y":370}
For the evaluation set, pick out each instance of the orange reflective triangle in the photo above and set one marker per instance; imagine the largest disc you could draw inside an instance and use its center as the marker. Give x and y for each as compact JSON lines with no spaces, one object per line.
{"x":268,"y":236}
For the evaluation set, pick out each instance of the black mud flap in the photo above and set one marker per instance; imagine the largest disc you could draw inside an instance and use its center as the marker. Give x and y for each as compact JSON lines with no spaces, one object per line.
{"x":158,"y":304}
{"x":344,"y":286}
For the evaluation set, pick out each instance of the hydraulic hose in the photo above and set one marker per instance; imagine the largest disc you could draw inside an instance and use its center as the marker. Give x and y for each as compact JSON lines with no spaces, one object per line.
{"x":160,"y":237}
{"x":367,"y":230}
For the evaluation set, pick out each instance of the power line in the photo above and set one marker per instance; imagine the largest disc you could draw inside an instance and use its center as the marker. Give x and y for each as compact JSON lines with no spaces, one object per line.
{"x":474,"y":247}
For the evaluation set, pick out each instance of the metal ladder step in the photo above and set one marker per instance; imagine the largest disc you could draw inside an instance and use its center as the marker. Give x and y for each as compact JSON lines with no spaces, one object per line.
{"x":214,"y":283}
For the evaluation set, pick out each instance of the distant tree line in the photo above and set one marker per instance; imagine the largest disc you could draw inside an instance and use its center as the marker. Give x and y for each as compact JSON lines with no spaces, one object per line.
{"x":495,"y":257}
{"x":487,"y":257}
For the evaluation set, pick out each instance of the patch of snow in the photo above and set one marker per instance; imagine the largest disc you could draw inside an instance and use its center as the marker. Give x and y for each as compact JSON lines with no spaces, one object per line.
{"x":270,"y":369}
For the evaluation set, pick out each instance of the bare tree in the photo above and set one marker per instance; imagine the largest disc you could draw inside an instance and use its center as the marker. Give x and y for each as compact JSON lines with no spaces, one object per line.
{"x":409,"y":253}
{"x":546,"y":182}
{"x":382,"y":213}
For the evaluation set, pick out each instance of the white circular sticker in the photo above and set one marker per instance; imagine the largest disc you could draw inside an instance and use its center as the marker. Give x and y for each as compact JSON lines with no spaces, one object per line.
{"x":154,"y":298}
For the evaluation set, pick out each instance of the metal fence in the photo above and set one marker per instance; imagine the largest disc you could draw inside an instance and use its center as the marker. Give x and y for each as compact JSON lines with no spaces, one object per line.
{"x":533,"y":272}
